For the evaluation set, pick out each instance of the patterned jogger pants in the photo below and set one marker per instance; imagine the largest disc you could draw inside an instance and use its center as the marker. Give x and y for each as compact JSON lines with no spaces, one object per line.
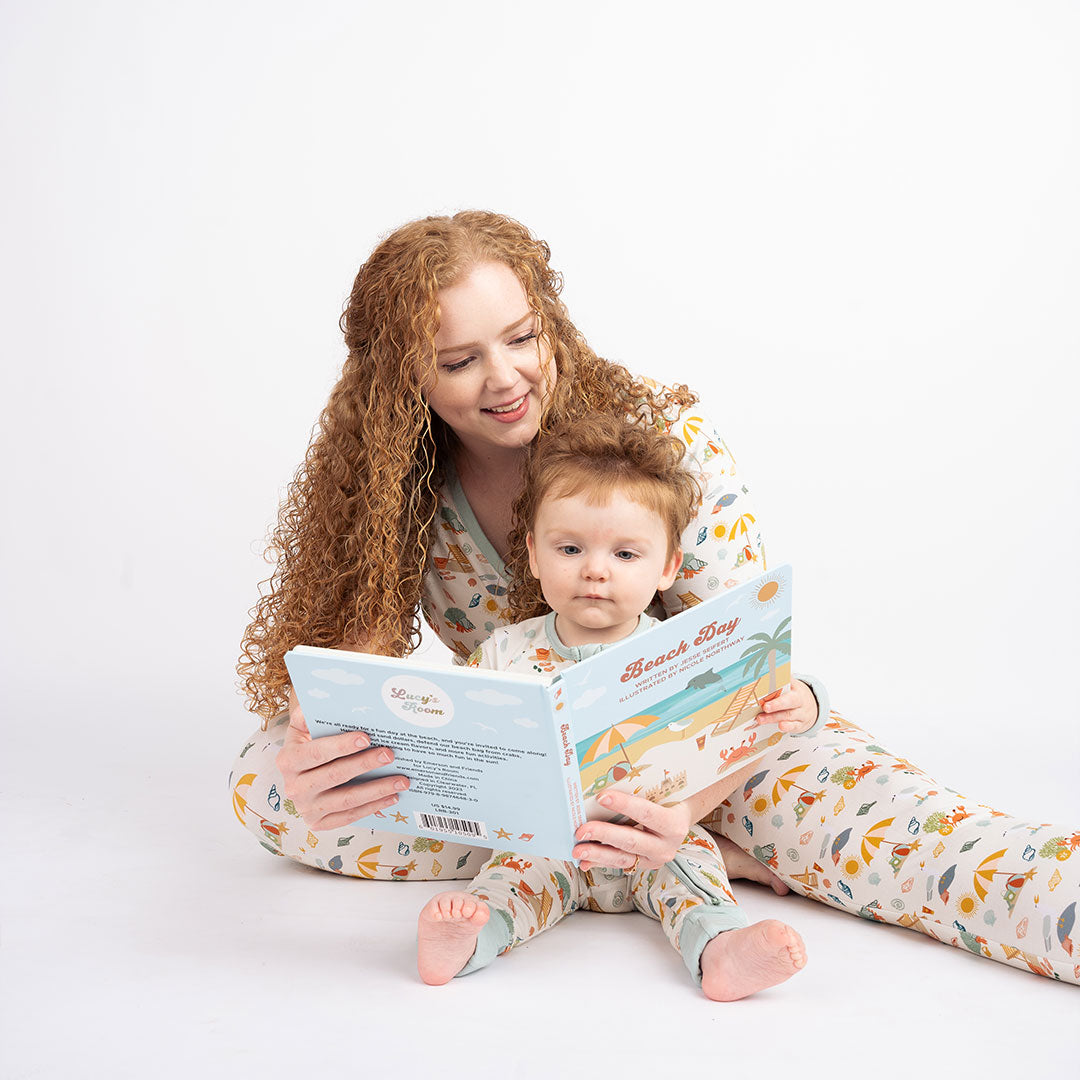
{"x":690,"y":897}
{"x":837,"y":816}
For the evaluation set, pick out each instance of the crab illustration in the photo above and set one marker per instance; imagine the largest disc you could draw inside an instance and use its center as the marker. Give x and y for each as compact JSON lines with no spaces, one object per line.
{"x":737,"y":753}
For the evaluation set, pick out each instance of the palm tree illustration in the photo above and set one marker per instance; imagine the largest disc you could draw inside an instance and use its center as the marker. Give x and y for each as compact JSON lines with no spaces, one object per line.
{"x":765,"y":652}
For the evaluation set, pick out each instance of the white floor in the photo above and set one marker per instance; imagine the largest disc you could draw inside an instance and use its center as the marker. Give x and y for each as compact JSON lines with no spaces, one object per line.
{"x":166,"y":943}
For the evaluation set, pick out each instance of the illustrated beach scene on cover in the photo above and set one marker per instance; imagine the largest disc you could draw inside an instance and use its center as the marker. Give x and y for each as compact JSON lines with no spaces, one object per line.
{"x":685,"y":702}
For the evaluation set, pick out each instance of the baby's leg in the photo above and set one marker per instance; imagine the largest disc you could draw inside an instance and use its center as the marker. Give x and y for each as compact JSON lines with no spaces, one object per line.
{"x":512,"y":899}
{"x":692,"y":899}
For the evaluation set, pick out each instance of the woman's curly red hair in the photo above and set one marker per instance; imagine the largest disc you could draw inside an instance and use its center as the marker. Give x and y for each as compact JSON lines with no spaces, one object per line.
{"x":354,"y":530}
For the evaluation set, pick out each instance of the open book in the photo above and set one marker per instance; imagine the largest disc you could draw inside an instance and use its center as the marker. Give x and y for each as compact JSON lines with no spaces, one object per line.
{"x":516,"y":762}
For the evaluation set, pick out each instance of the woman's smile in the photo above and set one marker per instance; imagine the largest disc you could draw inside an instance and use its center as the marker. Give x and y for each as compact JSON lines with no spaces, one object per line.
{"x":491,"y":370}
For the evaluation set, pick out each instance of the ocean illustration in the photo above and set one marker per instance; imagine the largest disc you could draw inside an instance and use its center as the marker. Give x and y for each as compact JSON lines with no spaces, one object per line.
{"x":713,"y":708}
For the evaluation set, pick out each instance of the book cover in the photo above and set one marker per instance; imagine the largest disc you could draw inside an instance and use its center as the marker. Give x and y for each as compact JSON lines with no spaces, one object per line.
{"x":517,"y":761}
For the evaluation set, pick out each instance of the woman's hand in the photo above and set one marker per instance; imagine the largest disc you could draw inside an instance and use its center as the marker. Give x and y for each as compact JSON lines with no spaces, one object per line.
{"x":315,"y":770}
{"x":795,"y":710}
{"x":653,"y":842}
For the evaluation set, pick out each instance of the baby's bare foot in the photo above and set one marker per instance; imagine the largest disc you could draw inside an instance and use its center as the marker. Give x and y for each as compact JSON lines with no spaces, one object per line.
{"x":741,"y":962}
{"x":740,"y":865}
{"x":446,"y":935}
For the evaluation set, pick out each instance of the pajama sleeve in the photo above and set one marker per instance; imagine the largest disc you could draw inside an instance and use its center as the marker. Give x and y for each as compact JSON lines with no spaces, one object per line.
{"x":723,"y":545}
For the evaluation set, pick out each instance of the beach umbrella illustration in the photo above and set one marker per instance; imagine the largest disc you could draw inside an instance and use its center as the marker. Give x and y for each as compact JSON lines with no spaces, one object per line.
{"x":240,"y":801}
{"x":786,"y":783}
{"x":616,"y":735}
{"x":874,"y":838}
{"x":984,"y":873}
{"x":741,"y":527}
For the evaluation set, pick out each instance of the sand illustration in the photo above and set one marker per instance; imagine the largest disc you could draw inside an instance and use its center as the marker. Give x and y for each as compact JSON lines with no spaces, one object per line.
{"x":653,"y":765}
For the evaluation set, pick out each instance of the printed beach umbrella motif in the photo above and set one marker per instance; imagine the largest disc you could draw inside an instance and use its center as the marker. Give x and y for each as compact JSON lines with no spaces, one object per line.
{"x":741,"y":527}
{"x":874,"y":838}
{"x":239,"y":801}
{"x":616,"y":735}
{"x":984,"y":873}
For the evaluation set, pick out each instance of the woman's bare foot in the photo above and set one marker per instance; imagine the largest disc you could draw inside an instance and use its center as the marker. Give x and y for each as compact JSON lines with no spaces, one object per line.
{"x":740,"y":865}
{"x":741,"y":962}
{"x":446,"y":935}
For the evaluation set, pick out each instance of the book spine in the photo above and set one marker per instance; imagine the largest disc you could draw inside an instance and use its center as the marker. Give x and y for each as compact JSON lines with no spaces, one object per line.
{"x":566,"y":752}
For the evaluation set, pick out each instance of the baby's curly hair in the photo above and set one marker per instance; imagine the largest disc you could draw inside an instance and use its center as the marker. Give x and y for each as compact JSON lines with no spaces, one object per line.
{"x":595,"y":456}
{"x":354,"y":531}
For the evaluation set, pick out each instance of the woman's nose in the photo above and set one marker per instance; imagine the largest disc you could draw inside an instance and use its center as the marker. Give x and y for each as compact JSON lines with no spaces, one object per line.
{"x":501,"y":370}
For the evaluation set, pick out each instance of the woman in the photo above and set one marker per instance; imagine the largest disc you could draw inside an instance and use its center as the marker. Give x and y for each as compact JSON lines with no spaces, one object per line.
{"x":459,"y":352}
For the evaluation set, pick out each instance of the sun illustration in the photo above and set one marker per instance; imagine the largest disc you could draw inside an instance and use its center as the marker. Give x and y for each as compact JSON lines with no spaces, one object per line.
{"x":967,"y":904}
{"x":770,"y":592}
{"x":851,"y":866}
{"x":758,"y":805}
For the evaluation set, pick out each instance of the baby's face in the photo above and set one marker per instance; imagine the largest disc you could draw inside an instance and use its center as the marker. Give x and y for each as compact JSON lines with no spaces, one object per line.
{"x":599,"y":565}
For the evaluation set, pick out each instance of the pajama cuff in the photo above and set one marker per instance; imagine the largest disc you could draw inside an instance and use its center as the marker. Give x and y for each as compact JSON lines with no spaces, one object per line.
{"x":493,"y":939}
{"x":700,"y":926}
{"x":821,"y":695}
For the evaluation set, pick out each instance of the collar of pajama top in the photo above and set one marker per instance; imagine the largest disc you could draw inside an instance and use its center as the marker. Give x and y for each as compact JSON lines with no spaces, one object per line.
{"x":576,"y":653}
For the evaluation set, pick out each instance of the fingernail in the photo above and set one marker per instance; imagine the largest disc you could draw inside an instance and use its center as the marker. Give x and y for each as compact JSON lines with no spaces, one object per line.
{"x":385,"y":756}
{"x":363,"y":742}
{"x":402,"y":784}
{"x":604,"y":800}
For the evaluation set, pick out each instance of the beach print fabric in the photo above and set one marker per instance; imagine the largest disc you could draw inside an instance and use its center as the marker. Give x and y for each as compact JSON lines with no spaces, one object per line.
{"x":845,"y":822}
{"x":464,"y":601}
{"x":690,"y":897}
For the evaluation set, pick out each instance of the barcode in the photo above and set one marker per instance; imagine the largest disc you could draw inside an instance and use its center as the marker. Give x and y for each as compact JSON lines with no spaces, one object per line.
{"x":474,"y":830}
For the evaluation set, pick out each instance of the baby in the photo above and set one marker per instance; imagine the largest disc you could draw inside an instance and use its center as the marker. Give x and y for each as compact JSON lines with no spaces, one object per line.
{"x":608,"y":503}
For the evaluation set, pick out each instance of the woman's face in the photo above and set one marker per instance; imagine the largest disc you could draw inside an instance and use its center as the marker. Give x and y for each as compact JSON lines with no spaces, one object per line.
{"x":491,"y":373}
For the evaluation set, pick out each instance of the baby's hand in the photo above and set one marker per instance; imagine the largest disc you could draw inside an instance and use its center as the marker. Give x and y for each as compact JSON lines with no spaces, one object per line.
{"x":792,"y":711}
{"x":646,"y":846}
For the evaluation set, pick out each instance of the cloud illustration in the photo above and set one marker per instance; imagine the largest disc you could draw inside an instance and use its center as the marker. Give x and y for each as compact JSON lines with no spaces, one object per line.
{"x":339,"y":676}
{"x":316,"y":692}
{"x":586,"y":699}
{"x":524,"y":721}
{"x":491,"y":697}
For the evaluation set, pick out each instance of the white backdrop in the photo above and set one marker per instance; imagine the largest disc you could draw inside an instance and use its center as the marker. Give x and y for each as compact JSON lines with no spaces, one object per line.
{"x":853,"y":227}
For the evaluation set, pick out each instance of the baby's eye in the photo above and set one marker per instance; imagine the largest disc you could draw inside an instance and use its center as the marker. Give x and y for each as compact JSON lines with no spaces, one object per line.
{"x":570,"y":549}
{"x":626,"y":556}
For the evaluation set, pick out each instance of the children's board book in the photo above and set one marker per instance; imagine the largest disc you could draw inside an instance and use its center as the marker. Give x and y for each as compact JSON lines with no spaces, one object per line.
{"x":515,"y":761}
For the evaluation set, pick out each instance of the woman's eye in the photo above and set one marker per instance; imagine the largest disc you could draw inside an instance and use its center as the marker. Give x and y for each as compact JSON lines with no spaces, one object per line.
{"x":527,"y":337}
{"x":458,"y":364}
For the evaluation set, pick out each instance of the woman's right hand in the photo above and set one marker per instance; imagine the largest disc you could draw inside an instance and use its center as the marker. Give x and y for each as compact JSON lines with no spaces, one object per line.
{"x":316,"y":774}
